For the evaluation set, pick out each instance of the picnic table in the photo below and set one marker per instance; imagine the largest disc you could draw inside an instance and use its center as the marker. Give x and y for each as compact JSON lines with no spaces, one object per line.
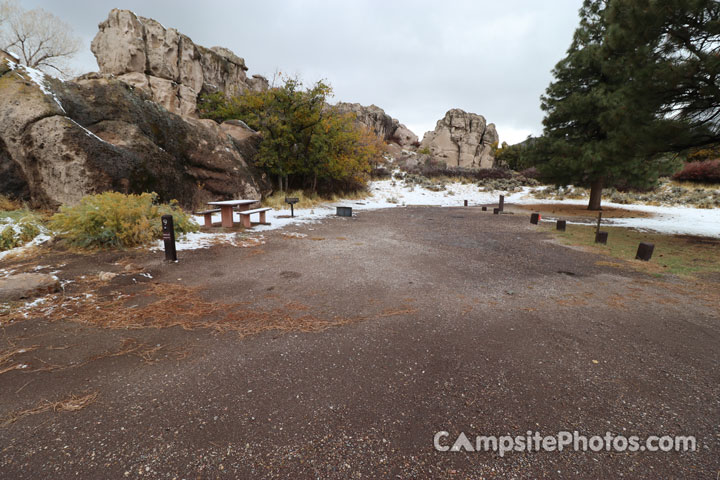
{"x":226,"y":209}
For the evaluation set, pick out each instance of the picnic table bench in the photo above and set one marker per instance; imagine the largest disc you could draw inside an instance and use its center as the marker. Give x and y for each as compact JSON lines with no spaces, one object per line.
{"x":226,"y":209}
{"x":245,"y":216}
{"x":207,"y":215}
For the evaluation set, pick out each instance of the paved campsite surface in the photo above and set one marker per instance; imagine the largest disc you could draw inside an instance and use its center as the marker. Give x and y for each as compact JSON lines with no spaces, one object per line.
{"x":437,"y":319}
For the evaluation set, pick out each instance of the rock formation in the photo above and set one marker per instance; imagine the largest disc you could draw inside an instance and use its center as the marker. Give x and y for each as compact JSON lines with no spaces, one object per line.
{"x":62,"y":140}
{"x":462,"y":139}
{"x":386,"y":127}
{"x":166,"y":64}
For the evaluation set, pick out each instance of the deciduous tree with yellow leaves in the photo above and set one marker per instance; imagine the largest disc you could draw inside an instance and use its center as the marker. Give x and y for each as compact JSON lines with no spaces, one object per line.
{"x":306,"y":143}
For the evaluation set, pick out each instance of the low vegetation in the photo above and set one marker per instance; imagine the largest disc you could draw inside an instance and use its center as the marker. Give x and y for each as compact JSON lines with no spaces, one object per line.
{"x":488,"y":180}
{"x":667,"y":193}
{"x":703,"y":172}
{"x":112,"y":220}
{"x":674,"y":254}
{"x":309,"y":199}
{"x":18,"y":227}
{"x":8,"y":204}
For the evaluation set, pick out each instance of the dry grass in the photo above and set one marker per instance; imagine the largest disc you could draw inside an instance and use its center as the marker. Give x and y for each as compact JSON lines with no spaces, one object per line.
{"x":173,"y":305}
{"x":71,"y":404}
{"x":8,"y":204}
{"x":571,"y":210}
{"x":693,"y":185}
{"x":391,"y":312}
{"x":309,"y":200}
{"x":7,"y":362}
{"x":146,"y":352}
{"x":675,"y":254}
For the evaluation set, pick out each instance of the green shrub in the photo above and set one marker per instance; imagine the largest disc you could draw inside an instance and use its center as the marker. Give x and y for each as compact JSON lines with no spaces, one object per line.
{"x":8,"y":238}
{"x":111,"y":220}
{"x":26,"y":226}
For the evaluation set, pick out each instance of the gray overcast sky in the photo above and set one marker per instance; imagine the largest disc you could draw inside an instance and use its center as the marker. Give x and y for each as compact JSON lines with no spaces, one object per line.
{"x":415,"y":59}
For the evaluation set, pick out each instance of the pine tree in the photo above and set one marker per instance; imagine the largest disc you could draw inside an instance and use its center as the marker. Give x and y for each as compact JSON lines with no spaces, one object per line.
{"x":641,"y":78}
{"x":673,"y":68}
{"x":587,"y":112}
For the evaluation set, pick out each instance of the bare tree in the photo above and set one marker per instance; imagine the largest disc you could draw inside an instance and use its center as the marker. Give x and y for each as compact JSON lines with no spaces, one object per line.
{"x":37,"y":37}
{"x":6,"y":7}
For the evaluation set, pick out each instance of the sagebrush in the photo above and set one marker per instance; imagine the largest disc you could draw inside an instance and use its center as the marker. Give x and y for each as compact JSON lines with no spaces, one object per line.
{"x":21,"y":231}
{"x":117,"y":220}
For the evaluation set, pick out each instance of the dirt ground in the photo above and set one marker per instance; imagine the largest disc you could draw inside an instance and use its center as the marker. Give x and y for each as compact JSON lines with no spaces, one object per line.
{"x":338,"y":349}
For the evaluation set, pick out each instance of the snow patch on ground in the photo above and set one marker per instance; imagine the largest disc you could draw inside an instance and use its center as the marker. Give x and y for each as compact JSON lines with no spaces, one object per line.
{"x":41,"y":238}
{"x":396,"y":194}
{"x":671,"y":220}
{"x":197,"y":240}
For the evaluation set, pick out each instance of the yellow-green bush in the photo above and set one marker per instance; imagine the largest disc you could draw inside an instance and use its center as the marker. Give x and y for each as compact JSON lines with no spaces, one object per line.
{"x":23,"y":227}
{"x":114,"y":219}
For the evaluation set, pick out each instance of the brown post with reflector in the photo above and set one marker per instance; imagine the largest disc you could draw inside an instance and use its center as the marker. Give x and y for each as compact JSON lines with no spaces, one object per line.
{"x":168,"y":233}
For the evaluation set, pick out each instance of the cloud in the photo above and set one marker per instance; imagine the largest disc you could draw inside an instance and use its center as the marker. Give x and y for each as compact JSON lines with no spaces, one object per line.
{"x":415,"y":59}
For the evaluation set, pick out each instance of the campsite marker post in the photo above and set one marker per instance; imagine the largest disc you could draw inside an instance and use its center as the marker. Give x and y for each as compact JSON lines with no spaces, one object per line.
{"x":168,"y":233}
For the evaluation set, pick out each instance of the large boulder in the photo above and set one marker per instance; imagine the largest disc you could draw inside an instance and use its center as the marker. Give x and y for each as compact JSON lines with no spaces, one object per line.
{"x":27,"y":285}
{"x":382,"y":124}
{"x":60,"y":141}
{"x":462,"y":139}
{"x":166,"y":64}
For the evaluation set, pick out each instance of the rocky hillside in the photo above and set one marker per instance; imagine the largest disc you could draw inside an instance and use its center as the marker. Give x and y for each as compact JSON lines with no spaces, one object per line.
{"x":133,"y":128}
{"x":62,"y":140}
{"x":384,"y":126}
{"x":462,"y":139}
{"x":167,"y":65}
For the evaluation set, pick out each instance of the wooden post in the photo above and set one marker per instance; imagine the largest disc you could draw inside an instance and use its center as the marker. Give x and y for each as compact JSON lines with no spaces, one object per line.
{"x":168,"y":233}
{"x":597,"y":230}
{"x":535,"y":218}
{"x":501,"y":202}
{"x":561,"y":224}
{"x":645,"y":251}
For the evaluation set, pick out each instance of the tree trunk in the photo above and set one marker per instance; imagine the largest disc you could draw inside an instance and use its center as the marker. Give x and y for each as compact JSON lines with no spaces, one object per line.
{"x":314,"y":186}
{"x":595,"y":194}
{"x":280,"y":182}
